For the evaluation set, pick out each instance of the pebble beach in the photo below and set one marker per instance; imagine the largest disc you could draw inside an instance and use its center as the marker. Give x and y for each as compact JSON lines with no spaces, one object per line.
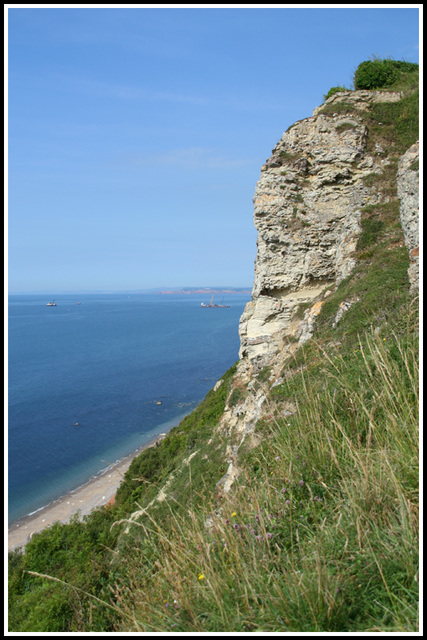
{"x":98,"y":492}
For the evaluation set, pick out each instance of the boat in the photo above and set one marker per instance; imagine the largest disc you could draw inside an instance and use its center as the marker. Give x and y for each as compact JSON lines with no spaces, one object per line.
{"x":211,"y":305}
{"x":51,"y":304}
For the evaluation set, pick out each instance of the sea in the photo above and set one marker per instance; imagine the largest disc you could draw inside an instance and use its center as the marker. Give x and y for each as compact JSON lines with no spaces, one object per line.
{"x":97,"y":376}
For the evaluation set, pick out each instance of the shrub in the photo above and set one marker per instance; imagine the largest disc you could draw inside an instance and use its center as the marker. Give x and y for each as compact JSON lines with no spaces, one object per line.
{"x":377,"y":73}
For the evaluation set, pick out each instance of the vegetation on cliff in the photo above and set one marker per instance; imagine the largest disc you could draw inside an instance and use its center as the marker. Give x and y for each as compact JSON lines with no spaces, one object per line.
{"x":319,"y":532}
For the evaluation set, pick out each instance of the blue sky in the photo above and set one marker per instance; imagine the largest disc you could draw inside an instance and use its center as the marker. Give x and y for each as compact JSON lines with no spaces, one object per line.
{"x":136,"y":135}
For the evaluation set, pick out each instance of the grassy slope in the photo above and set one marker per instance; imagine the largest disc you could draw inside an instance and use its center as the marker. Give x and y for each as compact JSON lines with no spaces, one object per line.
{"x":320,"y":532}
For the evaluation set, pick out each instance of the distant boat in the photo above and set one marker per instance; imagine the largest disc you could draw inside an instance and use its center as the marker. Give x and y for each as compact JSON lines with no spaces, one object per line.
{"x":79,"y":303}
{"x":51,"y":304}
{"x":211,"y":305}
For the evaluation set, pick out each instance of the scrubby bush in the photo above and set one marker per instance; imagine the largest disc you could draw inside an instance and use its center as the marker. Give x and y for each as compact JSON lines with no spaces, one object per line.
{"x":377,"y":73}
{"x":374,"y":74}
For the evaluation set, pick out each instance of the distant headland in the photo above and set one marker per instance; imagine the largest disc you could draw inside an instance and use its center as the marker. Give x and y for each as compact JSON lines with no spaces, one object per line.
{"x":193,"y":290}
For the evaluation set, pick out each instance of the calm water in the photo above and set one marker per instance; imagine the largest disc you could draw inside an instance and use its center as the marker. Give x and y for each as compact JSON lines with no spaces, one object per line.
{"x":104,"y":364}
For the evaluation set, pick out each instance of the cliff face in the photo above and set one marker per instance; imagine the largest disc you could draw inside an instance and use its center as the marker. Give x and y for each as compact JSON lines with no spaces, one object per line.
{"x":408,"y":192}
{"x":308,"y":206}
{"x":307,"y":210}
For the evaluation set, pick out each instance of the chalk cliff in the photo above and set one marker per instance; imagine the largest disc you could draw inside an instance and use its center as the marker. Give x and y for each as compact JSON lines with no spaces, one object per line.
{"x":308,"y":205}
{"x":307,"y":209}
{"x":408,"y":192}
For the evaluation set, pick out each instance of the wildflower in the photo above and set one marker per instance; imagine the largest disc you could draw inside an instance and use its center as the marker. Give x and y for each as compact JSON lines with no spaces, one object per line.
{"x":277,"y":458}
{"x":301,"y":482}
{"x":283,"y":490}
{"x":201,"y":576}
{"x":236,"y":527}
{"x":227,"y":521}
{"x":288,"y":502}
{"x":234,"y":513}
{"x":271,"y":473}
{"x":269,"y":536}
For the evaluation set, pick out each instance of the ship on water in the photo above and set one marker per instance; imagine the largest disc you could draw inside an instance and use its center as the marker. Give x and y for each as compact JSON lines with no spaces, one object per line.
{"x":51,"y":304}
{"x":211,"y":305}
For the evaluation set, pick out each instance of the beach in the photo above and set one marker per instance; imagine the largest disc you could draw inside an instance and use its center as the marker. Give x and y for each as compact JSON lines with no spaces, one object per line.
{"x":95,"y":493}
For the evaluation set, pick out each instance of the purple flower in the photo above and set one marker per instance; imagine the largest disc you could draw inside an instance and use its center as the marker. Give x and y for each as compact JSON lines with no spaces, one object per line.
{"x":283,"y":490}
{"x":277,"y":458}
{"x":301,"y":482}
{"x":269,"y":536}
{"x":227,"y":521}
{"x":288,"y":502}
{"x":236,"y":526}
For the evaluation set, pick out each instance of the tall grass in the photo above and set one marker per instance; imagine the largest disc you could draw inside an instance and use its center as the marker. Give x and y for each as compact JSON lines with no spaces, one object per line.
{"x":321,"y":533}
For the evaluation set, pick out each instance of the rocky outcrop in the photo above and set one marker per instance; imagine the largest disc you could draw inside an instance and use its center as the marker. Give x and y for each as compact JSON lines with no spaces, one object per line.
{"x":361,"y":99}
{"x":307,"y":209}
{"x":408,"y":193}
{"x":308,"y":206}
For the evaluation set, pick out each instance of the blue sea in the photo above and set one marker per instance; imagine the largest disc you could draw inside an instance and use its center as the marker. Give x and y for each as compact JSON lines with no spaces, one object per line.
{"x":90,"y":383}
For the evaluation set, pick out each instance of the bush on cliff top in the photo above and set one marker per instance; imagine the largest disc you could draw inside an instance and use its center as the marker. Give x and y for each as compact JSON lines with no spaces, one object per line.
{"x":377,"y":73}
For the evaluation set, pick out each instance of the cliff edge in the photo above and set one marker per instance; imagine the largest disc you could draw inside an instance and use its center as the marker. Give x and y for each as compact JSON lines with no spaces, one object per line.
{"x":334,"y":187}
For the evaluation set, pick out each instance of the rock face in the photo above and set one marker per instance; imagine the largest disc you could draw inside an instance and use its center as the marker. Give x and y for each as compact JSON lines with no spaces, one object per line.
{"x":408,"y":193}
{"x":307,"y":209}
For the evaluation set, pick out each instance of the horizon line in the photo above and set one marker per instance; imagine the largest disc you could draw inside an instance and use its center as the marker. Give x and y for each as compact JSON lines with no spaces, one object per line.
{"x":192,"y":289}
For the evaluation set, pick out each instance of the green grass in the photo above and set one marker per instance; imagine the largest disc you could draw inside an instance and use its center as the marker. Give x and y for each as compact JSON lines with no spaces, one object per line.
{"x":321,"y":533}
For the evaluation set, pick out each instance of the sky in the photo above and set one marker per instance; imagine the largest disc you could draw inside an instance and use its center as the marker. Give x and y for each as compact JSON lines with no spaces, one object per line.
{"x":136,"y":135}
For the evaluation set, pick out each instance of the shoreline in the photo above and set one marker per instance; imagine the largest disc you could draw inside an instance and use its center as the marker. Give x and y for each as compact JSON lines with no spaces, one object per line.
{"x":96,"y":492}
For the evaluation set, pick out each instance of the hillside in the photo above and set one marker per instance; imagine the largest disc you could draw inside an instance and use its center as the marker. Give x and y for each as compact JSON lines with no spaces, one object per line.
{"x":288,"y":500}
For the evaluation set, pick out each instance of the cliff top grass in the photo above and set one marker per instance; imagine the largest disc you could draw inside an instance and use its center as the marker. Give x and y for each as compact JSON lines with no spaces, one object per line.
{"x":382,"y":74}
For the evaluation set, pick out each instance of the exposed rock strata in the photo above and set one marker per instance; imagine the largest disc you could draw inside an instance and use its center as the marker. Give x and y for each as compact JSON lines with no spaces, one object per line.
{"x":307,"y":211}
{"x":408,"y":193}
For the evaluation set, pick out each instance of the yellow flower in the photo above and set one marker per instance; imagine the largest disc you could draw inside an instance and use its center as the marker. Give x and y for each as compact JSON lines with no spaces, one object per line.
{"x":233,"y":514}
{"x":201,"y":576}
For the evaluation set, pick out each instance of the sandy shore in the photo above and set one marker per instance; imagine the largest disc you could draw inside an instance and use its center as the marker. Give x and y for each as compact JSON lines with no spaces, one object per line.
{"x":95,"y":493}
